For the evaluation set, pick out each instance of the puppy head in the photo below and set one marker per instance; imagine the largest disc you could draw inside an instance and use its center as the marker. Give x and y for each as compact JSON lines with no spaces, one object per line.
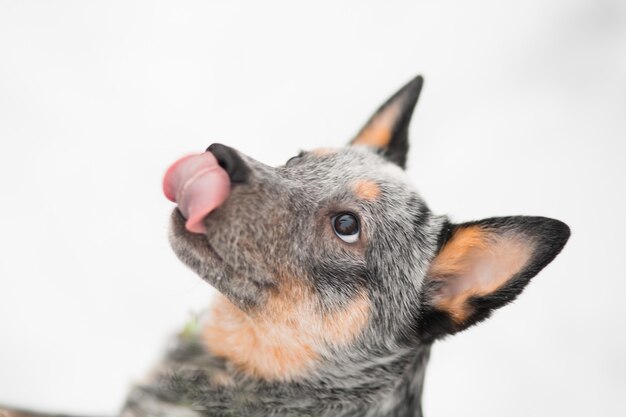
{"x":335,"y":251}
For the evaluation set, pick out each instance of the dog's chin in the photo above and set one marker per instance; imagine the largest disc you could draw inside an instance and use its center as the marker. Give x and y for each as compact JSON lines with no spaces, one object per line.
{"x":194,"y":249}
{"x":244,"y":288}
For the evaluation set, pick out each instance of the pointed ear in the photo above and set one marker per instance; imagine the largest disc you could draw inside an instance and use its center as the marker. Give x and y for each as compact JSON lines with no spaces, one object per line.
{"x":387,"y":130}
{"x":484,"y":265}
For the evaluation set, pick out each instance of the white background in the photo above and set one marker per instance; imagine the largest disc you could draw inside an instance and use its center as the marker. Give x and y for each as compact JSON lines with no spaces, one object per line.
{"x":523,"y":112}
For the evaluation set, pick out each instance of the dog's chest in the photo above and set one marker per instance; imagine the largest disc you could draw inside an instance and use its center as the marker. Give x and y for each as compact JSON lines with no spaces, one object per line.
{"x":190,"y":382}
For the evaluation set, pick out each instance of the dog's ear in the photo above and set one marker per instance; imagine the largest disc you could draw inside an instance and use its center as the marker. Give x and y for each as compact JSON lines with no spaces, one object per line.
{"x":482,"y":266}
{"x":387,"y":131}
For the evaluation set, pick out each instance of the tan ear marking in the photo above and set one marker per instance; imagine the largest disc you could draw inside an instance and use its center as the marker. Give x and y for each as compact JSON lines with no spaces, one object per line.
{"x":379,"y":131}
{"x":475,"y":263}
{"x":366,"y":190}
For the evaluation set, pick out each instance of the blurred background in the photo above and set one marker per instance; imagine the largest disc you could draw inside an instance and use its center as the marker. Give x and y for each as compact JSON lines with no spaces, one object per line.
{"x":523,"y":112}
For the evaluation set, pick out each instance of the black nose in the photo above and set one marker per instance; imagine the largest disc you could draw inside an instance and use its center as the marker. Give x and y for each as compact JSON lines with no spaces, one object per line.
{"x":229,"y":159}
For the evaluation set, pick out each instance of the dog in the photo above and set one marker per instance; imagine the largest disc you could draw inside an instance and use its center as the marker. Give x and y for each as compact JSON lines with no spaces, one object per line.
{"x":334,"y":279}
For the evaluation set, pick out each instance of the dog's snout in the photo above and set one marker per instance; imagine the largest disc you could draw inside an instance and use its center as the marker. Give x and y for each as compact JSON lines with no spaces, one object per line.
{"x":229,"y":159}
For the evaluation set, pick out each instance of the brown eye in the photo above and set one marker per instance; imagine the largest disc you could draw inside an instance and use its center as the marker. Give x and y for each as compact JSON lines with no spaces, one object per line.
{"x":346,"y":227}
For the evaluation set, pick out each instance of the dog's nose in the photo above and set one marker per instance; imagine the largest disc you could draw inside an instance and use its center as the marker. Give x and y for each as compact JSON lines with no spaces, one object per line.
{"x":229,"y":159}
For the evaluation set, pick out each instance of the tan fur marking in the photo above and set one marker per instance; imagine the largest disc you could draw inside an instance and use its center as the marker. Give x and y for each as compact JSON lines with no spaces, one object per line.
{"x":324,"y":151}
{"x":284,"y":340}
{"x":4,"y":413}
{"x":378,"y":132}
{"x":342,"y":327}
{"x":366,"y":190}
{"x":475,"y":263}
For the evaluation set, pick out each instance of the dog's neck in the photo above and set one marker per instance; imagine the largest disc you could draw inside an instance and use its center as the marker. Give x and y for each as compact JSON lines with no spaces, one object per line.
{"x":405,"y":400}
{"x":192,"y":382}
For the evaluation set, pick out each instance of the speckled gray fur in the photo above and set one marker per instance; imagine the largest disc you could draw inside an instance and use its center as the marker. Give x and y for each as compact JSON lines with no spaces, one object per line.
{"x":278,"y":222}
{"x":282,"y":211}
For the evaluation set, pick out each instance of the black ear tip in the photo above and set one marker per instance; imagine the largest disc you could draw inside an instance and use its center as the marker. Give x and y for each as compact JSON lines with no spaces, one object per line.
{"x":550,"y":235}
{"x":557,"y":231}
{"x":415,"y":86}
{"x":564,"y":231}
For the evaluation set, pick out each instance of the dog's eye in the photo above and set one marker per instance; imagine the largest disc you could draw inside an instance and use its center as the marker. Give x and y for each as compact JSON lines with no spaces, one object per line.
{"x":346,"y":227}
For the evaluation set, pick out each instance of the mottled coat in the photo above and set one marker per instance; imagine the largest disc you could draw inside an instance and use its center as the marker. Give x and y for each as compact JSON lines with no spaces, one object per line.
{"x":311,"y":323}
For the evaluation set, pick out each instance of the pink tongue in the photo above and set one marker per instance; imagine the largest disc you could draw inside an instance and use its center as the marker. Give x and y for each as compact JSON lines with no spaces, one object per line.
{"x":198,"y":185}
